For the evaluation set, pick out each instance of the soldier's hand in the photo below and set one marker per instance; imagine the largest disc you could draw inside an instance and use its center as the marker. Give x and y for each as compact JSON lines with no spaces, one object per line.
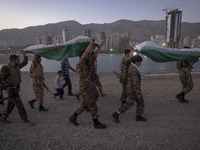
{"x":23,"y":52}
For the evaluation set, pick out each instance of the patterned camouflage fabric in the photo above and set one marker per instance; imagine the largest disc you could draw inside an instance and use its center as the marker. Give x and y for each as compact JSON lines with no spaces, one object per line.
{"x":133,"y":90}
{"x":123,"y":76}
{"x":184,"y":72}
{"x":87,"y":88}
{"x":37,"y":74}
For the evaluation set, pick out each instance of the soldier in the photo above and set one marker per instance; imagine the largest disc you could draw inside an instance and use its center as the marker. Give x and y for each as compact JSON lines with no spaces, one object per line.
{"x":133,"y":91}
{"x":11,"y":72}
{"x":95,"y":76}
{"x":37,"y":75}
{"x":87,"y":88}
{"x":184,"y":72}
{"x":126,"y":61}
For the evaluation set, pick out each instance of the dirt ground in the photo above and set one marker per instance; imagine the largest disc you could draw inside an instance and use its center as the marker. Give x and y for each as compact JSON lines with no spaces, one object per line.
{"x":171,"y":125}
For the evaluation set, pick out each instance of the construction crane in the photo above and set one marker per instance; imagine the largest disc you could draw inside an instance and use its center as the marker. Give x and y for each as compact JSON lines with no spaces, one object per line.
{"x":166,"y":9}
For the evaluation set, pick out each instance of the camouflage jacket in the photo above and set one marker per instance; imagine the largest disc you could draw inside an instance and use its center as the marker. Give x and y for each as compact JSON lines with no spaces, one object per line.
{"x":84,"y":70}
{"x":185,"y":67}
{"x":124,"y":69}
{"x":133,"y":81}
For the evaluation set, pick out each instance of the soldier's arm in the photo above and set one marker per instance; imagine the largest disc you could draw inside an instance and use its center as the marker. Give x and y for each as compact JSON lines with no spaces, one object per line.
{"x":97,"y":52}
{"x":193,"y":60}
{"x":136,"y":84}
{"x":90,"y":47}
{"x":127,"y":60}
{"x":25,"y":61}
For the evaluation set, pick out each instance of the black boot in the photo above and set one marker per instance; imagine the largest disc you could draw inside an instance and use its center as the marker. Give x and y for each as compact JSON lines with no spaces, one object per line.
{"x":116,"y":117}
{"x":183,"y":99}
{"x":41,"y":108}
{"x":31,"y":103}
{"x":72,"y":119}
{"x":98,"y":125}
{"x":140,"y":118}
{"x":180,"y":97}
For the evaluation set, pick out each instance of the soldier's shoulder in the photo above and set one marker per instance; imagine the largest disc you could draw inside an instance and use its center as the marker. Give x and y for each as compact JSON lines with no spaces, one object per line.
{"x":5,"y":68}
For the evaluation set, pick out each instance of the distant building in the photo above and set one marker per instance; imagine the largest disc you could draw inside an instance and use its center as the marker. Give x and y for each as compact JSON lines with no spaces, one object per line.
{"x":87,"y":32}
{"x":109,"y":43}
{"x":159,"y":39}
{"x":4,"y":45}
{"x":101,"y":39}
{"x":46,"y":40}
{"x":187,"y":41}
{"x":173,"y":28}
{"x":194,"y":42}
{"x":65,"y":34}
{"x":58,"y":39}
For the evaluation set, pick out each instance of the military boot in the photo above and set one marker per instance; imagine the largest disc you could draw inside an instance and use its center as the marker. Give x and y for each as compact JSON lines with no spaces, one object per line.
{"x":183,"y":99}
{"x":140,"y":118}
{"x":116,"y":117}
{"x":31,"y":103}
{"x":98,"y":125}
{"x":72,"y":119}
{"x":41,"y":108}
{"x":3,"y":118}
{"x":180,"y":97}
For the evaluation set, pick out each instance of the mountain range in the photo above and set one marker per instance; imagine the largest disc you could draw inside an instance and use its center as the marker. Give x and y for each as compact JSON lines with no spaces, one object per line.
{"x":138,"y":30}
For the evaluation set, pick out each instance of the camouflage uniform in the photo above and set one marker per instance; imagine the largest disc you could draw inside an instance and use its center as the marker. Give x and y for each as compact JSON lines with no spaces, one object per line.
{"x":14,"y":75}
{"x":133,"y":90}
{"x":94,"y":75}
{"x":37,"y":74}
{"x":124,"y":71}
{"x":184,"y":72}
{"x":87,"y":88}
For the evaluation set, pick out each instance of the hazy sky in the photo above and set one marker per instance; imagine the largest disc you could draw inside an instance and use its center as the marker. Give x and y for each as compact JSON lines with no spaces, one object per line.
{"x":24,"y":13}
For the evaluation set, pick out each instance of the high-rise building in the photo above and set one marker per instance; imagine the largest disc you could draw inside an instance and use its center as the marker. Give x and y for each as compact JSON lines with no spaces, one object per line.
{"x":87,"y":32}
{"x":173,"y":28}
{"x":187,"y":41}
{"x":46,"y":40}
{"x":65,"y":34}
{"x":101,"y":39}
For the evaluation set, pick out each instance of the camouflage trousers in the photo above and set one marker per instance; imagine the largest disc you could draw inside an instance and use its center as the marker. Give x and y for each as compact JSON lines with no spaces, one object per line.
{"x":16,"y":101}
{"x":130,"y":101}
{"x":97,"y":82}
{"x":124,"y":94}
{"x":38,"y":89}
{"x":89,"y":98}
{"x":187,"y":83}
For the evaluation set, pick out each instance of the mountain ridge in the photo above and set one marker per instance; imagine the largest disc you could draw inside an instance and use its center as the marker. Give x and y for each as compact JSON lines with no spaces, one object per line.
{"x":138,"y":30}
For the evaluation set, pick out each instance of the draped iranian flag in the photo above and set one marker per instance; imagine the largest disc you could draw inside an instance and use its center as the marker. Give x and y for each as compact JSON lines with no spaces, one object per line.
{"x":60,"y":51}
{"x":161,"y":54}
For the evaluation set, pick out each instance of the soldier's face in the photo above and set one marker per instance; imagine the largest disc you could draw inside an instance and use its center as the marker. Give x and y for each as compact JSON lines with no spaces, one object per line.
{"x":17,"y":61}
{"x":138,"y":63}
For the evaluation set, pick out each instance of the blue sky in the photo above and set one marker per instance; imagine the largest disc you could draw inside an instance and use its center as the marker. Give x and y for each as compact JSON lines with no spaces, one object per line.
{"x":24,"y":13}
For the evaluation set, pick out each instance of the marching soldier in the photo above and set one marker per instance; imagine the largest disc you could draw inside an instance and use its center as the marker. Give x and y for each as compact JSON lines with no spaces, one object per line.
{"x":88,"y":90}
{"x":12,"y":73}
{"x":184,"y":72}
{"x":126,"y":61}
{"x":133,"y":91}
{"x":37,"y":75}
